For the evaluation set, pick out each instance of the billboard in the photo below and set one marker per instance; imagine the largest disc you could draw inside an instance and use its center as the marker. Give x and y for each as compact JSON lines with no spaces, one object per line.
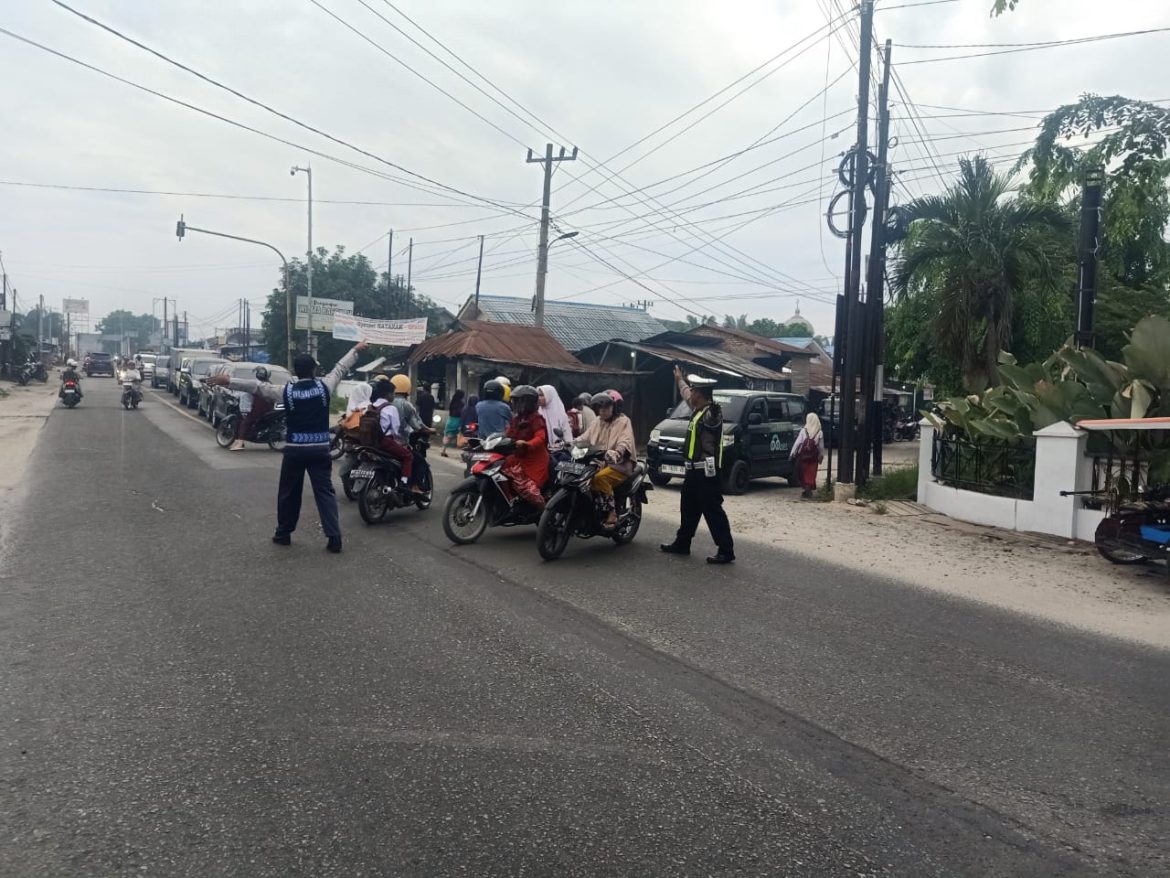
{"x":78,"y":307}
{"x":398,"y":333}
{"x":322,"y":312}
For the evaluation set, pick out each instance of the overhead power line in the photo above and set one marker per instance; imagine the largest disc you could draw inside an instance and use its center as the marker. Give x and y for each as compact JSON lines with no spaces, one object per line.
{"x":1035,"y":47}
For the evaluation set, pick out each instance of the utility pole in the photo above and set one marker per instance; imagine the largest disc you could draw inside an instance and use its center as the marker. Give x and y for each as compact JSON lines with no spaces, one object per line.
{"x":390,"y":275}
{"x":857,"y":212}
{"x":310,"y":339}
{"x":186,"y":329}
{"x":40,"y":326}
{"x":872,"y":377}
{"x":1090,"y":246}
{"x":409,"y":267}
{"x":542,"y":258}
{"x":164,"y":326}
{"x":478,"y":275}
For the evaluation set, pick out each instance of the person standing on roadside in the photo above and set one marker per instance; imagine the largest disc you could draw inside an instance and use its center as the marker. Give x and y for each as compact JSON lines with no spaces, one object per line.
{"x":424,"y":401}
{"x":306,"y":403}
{"x":454,"y":422}
{"x":702,"y":494}
{"x":808,"y":451}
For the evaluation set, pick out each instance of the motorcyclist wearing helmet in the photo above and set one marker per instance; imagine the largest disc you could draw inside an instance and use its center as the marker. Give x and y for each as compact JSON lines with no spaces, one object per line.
{"x":614,"y":432}
{"x":410,"y":423}
{"x":528,"y":466}
{"x":258,"y":408}
{"x":492,"y":413}
{"x":70,"y":373}
{"x":583,"y":412}
{"x":507,"y":382}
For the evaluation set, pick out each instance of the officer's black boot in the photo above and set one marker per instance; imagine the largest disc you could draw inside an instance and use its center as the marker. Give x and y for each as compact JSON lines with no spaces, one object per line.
{"x":675,"y":548}
{"x":721,"y":557}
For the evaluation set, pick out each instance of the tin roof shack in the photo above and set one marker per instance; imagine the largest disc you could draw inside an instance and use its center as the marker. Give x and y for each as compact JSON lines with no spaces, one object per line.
{"x":776,"y":355}
{"x":575,"y":325}
{"x":467,"y":357}
{"x":651,"y":366}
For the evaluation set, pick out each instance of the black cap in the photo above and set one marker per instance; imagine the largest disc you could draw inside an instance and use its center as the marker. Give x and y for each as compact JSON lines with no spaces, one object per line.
{"x":304,"y":366}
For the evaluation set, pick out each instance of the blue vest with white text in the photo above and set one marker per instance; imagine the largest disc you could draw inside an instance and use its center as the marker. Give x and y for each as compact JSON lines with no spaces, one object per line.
{"x":306,"y":405}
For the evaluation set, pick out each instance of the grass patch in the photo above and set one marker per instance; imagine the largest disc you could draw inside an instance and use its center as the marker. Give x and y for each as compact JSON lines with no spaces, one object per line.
{"x":896,"y":484}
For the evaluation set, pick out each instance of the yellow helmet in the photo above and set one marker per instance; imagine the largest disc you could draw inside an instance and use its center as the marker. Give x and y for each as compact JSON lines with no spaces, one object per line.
{"x":507,"y":383}
{"x":401,"y":384}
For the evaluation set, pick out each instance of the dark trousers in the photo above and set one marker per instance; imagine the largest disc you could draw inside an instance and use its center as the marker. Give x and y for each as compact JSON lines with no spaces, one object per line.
{"x":702,"y":497}
{"x":315,"y":462}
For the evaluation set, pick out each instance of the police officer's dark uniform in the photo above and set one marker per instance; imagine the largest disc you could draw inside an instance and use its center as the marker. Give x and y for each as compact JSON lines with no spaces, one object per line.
{"x":702,"y":492}
{"x":306,"y":403}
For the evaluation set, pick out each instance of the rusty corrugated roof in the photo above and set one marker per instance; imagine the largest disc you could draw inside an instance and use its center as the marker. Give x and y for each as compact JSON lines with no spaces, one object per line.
{"x":498,"y":343}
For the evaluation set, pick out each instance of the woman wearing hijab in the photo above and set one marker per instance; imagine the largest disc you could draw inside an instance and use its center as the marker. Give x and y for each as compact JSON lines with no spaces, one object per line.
{"x":454,"y":422}
{"x":556,"y":419}
{"x":808,"y":451}
{"x":359,"y":399}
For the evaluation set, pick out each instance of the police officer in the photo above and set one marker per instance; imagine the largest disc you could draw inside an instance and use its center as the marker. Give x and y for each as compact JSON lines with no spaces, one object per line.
{"x":702,"y":494}
{"x":306,"y":403}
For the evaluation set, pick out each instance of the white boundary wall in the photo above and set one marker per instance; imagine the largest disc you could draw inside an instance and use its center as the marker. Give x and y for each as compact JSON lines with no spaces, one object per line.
{"x":1061,"y":465}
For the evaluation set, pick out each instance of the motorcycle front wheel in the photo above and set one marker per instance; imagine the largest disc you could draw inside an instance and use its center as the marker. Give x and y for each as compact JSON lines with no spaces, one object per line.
{"x":462,"y":522}
{"x":1118,"y":555}
{"x":423,"y":501}
{"x":277,"y":438}
{"x":225,"y":435}
{"x":627,"y":528}
{"x":372,"y":504}
{"x":553,"y":532}
{"x":336,"y":446}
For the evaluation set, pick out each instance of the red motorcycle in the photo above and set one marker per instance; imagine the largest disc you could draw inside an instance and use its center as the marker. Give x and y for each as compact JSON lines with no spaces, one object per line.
{"x":486,"y":498}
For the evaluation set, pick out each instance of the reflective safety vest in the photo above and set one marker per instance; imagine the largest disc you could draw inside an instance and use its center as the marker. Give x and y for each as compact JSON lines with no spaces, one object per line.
{"x":693,"y":447}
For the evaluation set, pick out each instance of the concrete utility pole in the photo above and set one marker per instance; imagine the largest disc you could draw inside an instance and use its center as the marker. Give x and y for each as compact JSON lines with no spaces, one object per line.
{"x":40,"y":326}
{"x":542,"y":258}
{"x":1090,"y":246}
{"x":478,"y":275}
{"x":872,"y":374}
{"x":853,"y":313}
{"x":390,"y":275}
{"x":409,"y":267}
{"x":311,"y":341}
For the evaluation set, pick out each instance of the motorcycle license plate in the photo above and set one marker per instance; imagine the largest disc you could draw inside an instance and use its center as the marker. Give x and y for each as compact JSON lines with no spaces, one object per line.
{"x":574,"y":469}
{"x":363,"y":473}
{"x":69,"y":391}
{"x":481,"y":457}
{"x":673,"y":470}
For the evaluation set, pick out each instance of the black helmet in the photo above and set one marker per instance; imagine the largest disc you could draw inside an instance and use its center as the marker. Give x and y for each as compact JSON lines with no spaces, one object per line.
{"x":583,"y":400}
{"x":261,"y":373}
{"x":525,"y":398}
{"x":493,"y":390}
{"x":601,"y":399}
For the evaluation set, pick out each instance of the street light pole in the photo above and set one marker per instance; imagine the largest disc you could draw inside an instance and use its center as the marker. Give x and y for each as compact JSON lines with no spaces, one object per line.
{"x":182,"y":228}
{"x":538,"y":301}
{"x":312,"y":341}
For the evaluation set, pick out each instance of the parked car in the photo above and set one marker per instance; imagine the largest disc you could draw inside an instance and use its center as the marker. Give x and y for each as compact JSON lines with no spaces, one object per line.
{"x":222,"y":404}
{"x":208,"y":392}
{"x":161,"y":375}
{"x":98,"y":364}
{"x":758,"y":431}
{"x":191,"y":375}
{"x":177,"y":356}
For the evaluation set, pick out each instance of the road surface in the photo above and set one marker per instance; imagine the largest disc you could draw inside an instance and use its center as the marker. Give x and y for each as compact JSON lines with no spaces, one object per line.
{"x":178,"y":696}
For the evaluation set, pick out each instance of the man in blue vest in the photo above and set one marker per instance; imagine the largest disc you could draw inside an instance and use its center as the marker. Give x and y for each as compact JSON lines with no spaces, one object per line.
{"x":306,"y":404}
{"x":702,"y":495}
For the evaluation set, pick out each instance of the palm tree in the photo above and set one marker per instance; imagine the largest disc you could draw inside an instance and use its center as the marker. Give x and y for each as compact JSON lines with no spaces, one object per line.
{"x":972,"y":249}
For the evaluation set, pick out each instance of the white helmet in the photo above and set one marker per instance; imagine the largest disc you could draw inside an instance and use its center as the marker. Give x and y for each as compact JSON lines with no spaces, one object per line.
{"x":71,"y":363}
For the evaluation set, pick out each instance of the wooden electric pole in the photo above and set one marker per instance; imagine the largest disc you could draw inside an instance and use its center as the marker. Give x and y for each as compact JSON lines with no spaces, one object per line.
{"x":542,"y":258}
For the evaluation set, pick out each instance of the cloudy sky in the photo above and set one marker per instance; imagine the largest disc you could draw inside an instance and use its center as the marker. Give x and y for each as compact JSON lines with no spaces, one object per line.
{"x":665,"y":208}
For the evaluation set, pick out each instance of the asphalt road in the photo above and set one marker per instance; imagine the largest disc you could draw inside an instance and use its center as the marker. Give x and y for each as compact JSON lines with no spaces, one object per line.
{"x":178,"y":696}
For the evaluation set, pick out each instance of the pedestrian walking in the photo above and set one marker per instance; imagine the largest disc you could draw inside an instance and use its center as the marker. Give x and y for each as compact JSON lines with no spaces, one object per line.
{"x":425,"y":403}
{"x":702,"y":493}
{"x":306,"y":403}
{"x":454,"y":422}
{"x":808,"y":451}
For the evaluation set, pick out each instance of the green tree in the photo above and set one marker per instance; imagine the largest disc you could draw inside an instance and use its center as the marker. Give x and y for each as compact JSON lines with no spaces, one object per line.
{"x":349,"y":279}
{"x":970,"y":252}
{"x":138,"y":326}
{"x":708,"y":319}
{"x":1002,"y":6}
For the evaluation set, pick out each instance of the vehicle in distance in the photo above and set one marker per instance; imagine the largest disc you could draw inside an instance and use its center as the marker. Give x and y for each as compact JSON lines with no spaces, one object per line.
{"x":98,"y":364}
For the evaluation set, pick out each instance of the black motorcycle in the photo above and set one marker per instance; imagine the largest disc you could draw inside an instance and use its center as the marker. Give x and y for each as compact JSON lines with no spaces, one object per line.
{"x":30,"y":370}
{"x":486,"y":497}
{"x":269,"y":428}
{"x":70,"y":392}
{"x":574,"y":511}
{"x":131,"y":394}
{"x":377,"y":481}
{"x":906,"y":429}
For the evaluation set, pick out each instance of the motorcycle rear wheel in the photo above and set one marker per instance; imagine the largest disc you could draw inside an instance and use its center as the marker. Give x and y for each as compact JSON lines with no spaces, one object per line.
{"x":553,"y":532}
{"x":458,"y":524}
{"x":628,"y":528}
{"x":372,"y":504}
{"x":1116,"y":555}
{"x":427,"y":483}
{"x":277,"y":438}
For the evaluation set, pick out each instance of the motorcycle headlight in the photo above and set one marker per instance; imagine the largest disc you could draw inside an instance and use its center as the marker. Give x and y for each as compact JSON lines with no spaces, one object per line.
{"x":729,"y":439}
{"x":655,"y":435}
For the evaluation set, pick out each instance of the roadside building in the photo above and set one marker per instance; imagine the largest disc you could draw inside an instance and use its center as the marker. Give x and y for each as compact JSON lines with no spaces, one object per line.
{"x":575,"y":325}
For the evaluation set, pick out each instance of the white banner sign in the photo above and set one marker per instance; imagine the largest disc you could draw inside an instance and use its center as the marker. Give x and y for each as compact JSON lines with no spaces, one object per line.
{"x":398,"y":333}
{"x":323,"y":311}
{"x":75,"y":306}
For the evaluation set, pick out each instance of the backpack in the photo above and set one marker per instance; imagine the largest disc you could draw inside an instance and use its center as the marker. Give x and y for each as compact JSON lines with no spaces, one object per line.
{"x":370,"y":427}
{"x":808,"y":450}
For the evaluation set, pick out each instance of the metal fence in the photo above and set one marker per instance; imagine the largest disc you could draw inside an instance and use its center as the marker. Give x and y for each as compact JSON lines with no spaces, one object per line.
{"x":1120,"y":475}
{"x":1004,"y":469}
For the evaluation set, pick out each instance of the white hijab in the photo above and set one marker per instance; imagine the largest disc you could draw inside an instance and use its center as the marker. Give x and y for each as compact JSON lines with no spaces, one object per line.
{"x":359,"y":399}
{"x":555,"y":417}
{"x":812,"y":426}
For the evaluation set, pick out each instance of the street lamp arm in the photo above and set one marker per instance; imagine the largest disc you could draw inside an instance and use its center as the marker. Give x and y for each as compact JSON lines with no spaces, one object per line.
{"x":190,"y":228}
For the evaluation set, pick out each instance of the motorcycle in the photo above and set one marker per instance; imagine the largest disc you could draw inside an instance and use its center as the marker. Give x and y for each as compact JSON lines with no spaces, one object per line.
{"x":131,"y":394}
{"x":1136,"y":532}
{"x":906,"y":429}
{"x":573,"y":510}
{"x":486,"y":498}
{"x":269,"y":428}
{"x":70,"y":393}
{"x":377,"y":481}
{"x":30,"y":370}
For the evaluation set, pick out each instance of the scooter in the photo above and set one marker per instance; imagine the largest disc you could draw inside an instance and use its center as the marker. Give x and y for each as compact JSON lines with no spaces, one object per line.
{"x":1137,"y":532}
{"x":131,"y":394}
{"x":70,"y":393}
{"x":573,"y":510}
{"x":906,"y":429}
{"x":269,"y":428}
{"x":486,"y":498}
{"x":377,"y":481}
